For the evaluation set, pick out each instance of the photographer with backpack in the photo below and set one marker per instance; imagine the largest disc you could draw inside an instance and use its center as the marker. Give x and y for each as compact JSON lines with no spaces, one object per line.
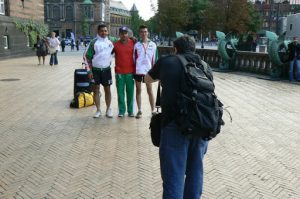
{"x":183,"y":143}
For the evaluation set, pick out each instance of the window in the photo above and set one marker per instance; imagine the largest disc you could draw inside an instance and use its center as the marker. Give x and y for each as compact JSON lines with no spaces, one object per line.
{"x":291,"y":26}
{"x":69,"y":13}
{"x":56,"y":12}
{"x":2,"y":7}
{"x":5,"y":39}
{"x":88,"y":12}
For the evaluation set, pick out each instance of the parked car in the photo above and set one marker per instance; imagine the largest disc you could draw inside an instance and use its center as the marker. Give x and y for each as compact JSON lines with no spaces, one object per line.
{"x":68,"y":42}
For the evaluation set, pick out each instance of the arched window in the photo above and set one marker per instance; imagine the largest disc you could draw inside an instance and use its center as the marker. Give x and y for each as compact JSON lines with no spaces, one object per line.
{"x":69,"y":13}
{"x":56,"y":12}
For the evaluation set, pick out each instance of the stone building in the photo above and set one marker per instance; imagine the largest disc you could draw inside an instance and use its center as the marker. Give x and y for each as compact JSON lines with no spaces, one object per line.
{"x":273,"y":12}
{"x":13,"y":42}
{"x":119,"y":16}
{"x":80,"y":17}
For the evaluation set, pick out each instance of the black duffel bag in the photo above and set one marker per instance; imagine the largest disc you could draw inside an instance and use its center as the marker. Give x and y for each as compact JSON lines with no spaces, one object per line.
{"x":155,"y":129}
{"x":155,"y":123}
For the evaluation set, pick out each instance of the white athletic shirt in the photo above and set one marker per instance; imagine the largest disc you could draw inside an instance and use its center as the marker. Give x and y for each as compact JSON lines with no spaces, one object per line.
{"x":102,"y":57}
{"x":144,"y":57}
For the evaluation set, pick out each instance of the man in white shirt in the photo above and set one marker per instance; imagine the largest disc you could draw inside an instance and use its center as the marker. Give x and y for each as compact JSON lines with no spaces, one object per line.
{"x":98,"y":57}
{"x":144,"y":56}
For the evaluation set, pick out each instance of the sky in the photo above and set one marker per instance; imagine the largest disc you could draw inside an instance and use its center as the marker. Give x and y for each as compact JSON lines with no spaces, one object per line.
{"x":142,"y":5}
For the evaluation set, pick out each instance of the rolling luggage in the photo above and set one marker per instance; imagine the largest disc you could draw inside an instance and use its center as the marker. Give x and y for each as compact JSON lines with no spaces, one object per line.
{"x":81,"y":81}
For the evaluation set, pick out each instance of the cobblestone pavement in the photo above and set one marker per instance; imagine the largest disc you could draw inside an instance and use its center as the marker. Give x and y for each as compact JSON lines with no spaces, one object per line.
{"x":48,"y":150}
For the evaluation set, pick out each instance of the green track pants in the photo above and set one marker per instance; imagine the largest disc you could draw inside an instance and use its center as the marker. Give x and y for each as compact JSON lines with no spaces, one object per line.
{"x":125,"y":82}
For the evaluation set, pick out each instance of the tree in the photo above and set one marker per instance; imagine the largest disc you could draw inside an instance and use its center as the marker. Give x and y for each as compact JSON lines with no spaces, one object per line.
{"x":136,"y":21}
{"x":256,"y":21}
{"x":84,"y":27}
{"x":172,"y":15}
{"x":196,"y":14}
{"x":152,"y":24}
{"x":228,"y":15}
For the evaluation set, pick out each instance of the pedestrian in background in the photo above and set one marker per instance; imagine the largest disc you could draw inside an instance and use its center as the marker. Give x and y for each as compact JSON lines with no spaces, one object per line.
{"x":41,"y":49}
{"x":72,"y":45}
{"x":294,"y":57}
{"x":53,"y":48}
{"x":63,"y":45}
{"x":124,"y":69}
{"x":77,"y":45}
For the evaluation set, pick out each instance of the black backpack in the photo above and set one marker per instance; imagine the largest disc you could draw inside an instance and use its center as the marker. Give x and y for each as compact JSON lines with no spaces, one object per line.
{"x":200,"y":111}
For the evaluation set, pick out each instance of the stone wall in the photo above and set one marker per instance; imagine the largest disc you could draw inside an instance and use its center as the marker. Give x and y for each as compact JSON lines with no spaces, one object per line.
{"x":17,"y":40}
{"x":33,"y":9}
{"x":245,"y":61}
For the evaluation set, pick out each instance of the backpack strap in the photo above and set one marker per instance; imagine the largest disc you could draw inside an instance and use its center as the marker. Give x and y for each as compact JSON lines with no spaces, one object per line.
{"x":184,"y":62}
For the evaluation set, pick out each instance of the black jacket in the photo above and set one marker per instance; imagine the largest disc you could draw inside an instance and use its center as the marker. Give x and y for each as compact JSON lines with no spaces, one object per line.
{"x":292,"y":48}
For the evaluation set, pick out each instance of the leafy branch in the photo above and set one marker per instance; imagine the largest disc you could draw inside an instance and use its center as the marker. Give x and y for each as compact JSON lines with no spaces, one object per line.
{"x":31,"y":29}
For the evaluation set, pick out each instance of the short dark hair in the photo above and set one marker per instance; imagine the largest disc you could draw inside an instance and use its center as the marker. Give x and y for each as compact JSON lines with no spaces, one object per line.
{"x":142,"y":27}
{"x":185,"y":44}
{"x":102,"y":26}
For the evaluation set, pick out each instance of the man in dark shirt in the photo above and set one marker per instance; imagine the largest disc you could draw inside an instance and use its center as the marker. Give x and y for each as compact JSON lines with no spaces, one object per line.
{"x":294,"y":57}
{"x":181,"y":156}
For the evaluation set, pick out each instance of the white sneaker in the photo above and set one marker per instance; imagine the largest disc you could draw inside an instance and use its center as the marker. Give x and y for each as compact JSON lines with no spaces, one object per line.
{"x":97,"y":114}
{"x":109,"y":113}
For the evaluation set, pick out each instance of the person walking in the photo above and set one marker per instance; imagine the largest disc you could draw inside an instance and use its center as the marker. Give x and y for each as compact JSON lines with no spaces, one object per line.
{"x":53,"y":48}
{"x":63,"y":45}
{"x":98,"y":57}
{"x":77,"y":45}
{"x":124,"y":69}
{"x":72,"y":45}
{"x":294,"y":57}
{"x":41,"y":49}
{"x":181,"y":155}
{"x":144,"y":57}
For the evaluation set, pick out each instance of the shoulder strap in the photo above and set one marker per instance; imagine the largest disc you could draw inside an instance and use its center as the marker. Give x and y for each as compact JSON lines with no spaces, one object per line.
{"x":184,"y":62}
{"x":182,"y":59}
{"x":157,"y":103}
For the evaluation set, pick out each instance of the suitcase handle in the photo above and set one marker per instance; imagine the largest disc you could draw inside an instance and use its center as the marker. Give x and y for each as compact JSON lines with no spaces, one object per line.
{"x":84,"y":65}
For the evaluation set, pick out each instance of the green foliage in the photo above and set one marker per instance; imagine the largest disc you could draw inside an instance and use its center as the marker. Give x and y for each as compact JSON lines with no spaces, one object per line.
{"x":85,"y":27}
{"x":172,"y":15}
{"x":152,"y":24}
{"x":256,"y":21}
{"x":196,"y":14}
{"x":136,"y":21}
{"x":31,"y":29}
{"x":239,"y":16}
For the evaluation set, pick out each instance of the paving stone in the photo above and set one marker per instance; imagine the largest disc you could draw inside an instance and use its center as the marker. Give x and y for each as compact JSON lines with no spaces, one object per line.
{"x":48,"y":150}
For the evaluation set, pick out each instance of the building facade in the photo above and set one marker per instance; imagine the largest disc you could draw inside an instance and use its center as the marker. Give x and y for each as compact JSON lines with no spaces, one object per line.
{"x":119,"y":16}
{"x":273,"y":13}
{"x":76,"y":18}
{"x":14,"y":42}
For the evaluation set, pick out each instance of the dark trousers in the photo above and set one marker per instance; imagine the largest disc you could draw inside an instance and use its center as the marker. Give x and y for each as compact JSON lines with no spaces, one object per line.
{"x":181,"y":163}
{"x":53,"y":59}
